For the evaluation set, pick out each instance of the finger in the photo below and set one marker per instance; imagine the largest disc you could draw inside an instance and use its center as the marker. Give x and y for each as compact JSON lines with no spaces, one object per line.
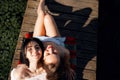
{"x":22,"y":65}
{"x":29,"y":73}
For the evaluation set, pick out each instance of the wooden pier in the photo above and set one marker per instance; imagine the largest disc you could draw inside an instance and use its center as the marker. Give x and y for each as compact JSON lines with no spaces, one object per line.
{"x":76,"y":18}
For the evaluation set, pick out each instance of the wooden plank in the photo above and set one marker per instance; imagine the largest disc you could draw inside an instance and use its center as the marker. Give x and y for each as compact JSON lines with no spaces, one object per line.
{"x":80,"y":35}
{"x":86,"y":74}
{"x":75,"y":18}
{"x":72,"y":2}
{"x":77,"y":11}
{"x":31,"y":11}
{"x":14,"y":64}
{"x":17,"y":56}
{"x":76,"y":3}
{"x":86,"y":64}
{"x":27,"y":27}
{"x":61,"y":22}
{"x":19,"y":44}
{"x":89,"y":46}
{"x":78,"y":7}
{"x":91,"y":65}
{"x":29,"y":19}
{"x":65,"y":32}
{"x":83,"y":21}
{"x":22,"y":34}
{"x":89,"y":75}
{"x":77,"y":27}
{"x":87,"y":36}
{"x":58,"y":7}
{"x":86,"y":55}
{"x":59,"y":10}
{"x":92,"y":25}
{"x":94,"y":59}
{"x":32,"y":4}
{"x":87,"y":52}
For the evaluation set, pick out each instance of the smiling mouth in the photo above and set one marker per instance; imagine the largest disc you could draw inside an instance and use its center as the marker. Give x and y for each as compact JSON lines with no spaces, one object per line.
{"x":35,"y":55}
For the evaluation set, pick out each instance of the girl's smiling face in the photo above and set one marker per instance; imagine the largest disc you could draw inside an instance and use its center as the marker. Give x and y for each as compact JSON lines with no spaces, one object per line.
{"x":33,"y":51}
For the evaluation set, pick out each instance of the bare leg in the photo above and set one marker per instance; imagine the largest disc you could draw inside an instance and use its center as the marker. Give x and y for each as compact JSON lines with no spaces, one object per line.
{"x":39,"y":29}
{"x":45,"y":24}
{"x":50,"y":26}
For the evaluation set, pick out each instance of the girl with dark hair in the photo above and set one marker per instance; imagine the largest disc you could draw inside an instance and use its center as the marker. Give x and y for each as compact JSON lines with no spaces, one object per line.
{"x":33,"y":52}
{"x":28,"y":43}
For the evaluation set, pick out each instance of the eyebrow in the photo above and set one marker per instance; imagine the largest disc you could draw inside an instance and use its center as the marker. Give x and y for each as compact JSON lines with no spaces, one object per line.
{"x":31,"y":46}
{"x":37,"y":45}
{"x":28,"y":47}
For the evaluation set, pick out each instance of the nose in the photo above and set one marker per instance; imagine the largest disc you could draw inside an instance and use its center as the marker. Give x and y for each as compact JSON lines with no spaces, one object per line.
{"x":34,"y":52}
{"x":50,"y":49}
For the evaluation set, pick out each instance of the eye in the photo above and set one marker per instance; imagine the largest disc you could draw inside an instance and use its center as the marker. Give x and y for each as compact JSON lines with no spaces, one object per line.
{"x":37,"y":47}
{"x":46,"y":53}
{"x":29,"y":49}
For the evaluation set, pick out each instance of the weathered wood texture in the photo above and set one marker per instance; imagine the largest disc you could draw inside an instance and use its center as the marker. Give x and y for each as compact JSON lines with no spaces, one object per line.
{"x":77,"y":18}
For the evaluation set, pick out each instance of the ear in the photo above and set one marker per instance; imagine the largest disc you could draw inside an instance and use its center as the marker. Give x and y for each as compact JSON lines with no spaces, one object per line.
{"x":26,"y":56}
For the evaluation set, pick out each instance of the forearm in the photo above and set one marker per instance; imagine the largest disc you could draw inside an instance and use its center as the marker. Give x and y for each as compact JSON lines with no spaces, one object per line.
{"x":15,"y":75}
{"x":21,"y":72}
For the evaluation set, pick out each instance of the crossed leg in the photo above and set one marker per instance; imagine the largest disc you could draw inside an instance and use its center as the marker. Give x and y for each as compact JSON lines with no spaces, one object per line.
{"x":45,"y":24}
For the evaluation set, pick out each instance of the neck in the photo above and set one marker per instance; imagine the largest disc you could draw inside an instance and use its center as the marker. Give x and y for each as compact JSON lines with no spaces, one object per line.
{"x":34,"y":66}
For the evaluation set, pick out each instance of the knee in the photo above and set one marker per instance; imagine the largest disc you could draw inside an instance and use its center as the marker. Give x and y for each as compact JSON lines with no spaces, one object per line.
{"x":47,"y":17}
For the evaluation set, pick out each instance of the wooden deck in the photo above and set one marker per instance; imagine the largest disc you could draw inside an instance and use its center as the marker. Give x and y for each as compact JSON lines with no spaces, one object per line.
{"x":77,"y":18}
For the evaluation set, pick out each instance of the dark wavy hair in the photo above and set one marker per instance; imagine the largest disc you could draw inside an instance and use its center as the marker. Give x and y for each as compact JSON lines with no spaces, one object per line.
{"x":23,"y":58}
{"x":62,"y":72}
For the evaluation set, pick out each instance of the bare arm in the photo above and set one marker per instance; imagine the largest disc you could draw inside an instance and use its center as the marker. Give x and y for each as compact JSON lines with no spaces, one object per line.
{"x":21,"y":72}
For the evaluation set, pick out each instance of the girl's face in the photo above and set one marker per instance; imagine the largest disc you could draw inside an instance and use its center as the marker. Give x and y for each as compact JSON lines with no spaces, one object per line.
{"x":33,"y":51}
{"x":51,"y":57}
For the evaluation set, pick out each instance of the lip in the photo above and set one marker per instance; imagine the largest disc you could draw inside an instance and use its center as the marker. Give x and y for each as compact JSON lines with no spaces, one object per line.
{"x":36,"y":55}
{"x":50,"y":46}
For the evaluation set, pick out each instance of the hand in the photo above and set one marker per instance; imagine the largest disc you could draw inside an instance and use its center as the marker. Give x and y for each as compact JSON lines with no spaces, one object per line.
{"x":22,"y":72}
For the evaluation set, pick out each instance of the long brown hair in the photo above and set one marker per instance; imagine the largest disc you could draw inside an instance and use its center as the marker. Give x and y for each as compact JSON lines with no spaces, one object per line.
{"x":62,"y":72}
